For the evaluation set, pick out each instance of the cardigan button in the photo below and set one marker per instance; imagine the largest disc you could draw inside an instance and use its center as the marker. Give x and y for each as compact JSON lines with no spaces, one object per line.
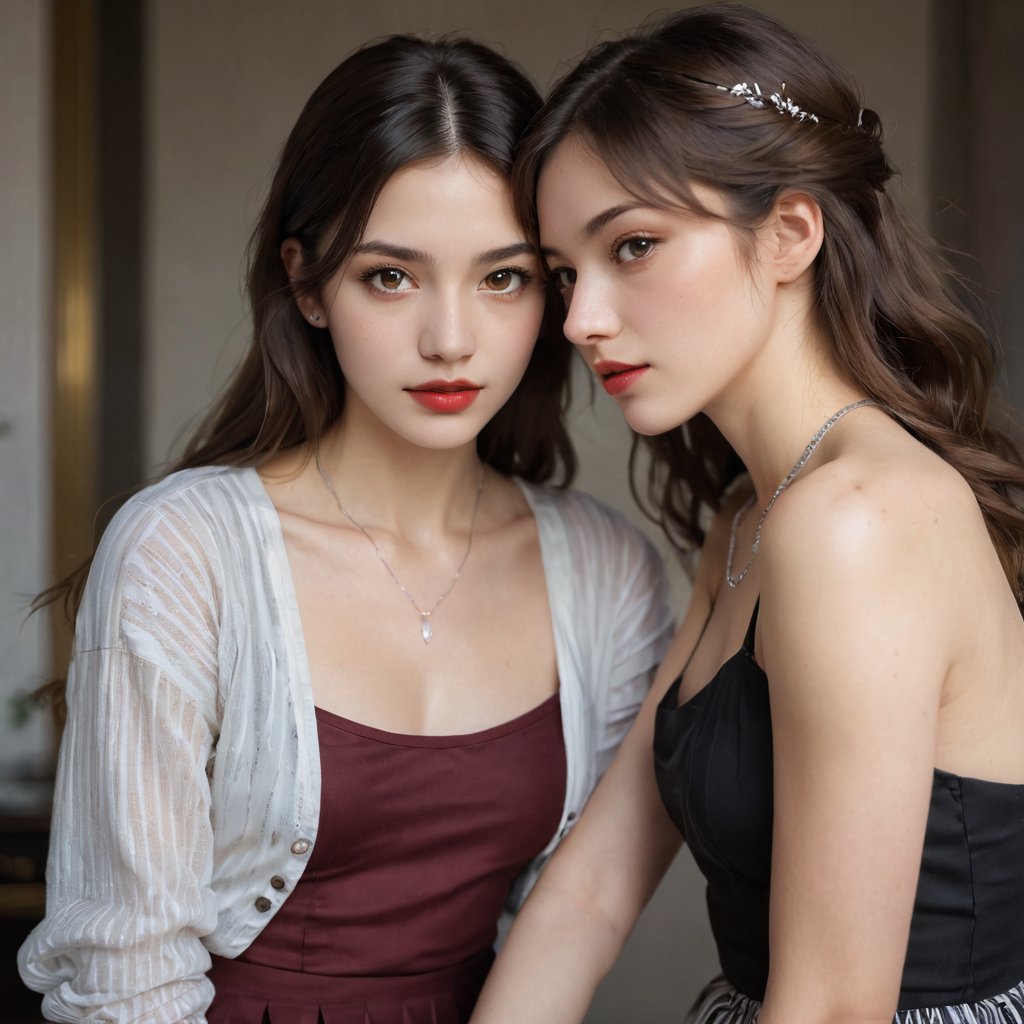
{"x":263,"y":904}
{"x":277,"y":882}
{"x":300,"y":846}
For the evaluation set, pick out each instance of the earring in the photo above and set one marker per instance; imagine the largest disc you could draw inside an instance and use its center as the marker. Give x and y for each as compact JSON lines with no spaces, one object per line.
{"x":315,"y":317}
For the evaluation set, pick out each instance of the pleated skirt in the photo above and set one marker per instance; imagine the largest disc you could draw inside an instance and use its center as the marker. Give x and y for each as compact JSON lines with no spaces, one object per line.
{"x":249,"y":993}
{"x":720,"y":1003}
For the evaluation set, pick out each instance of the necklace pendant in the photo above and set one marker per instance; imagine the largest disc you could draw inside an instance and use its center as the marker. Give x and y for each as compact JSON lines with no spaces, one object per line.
{"x":426,"y":630}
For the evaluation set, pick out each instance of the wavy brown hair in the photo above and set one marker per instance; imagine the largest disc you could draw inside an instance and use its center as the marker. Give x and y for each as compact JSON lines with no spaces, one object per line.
{"x":649,"y":107}
{"x":400,"y":101}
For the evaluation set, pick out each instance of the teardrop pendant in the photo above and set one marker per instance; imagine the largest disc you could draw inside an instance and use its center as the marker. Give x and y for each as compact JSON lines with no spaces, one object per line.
{"x":426,"y":630}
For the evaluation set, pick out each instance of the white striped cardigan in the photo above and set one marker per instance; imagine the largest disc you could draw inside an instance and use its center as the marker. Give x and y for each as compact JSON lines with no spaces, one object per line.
{"x":189,"y":773}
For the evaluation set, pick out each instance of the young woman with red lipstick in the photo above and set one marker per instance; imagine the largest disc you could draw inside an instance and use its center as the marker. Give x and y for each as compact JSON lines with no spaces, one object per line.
{"x":345,"y":678}
{"x":836,"y":731}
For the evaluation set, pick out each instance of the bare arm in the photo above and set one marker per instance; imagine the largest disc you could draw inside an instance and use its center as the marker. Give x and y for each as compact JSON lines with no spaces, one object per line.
{"x":576,"y":921}
{"x":858,"y":626}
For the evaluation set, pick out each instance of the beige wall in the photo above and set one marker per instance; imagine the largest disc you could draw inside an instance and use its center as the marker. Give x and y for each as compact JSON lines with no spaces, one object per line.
{"x":24,"y":364}
{"x":226,"y":82}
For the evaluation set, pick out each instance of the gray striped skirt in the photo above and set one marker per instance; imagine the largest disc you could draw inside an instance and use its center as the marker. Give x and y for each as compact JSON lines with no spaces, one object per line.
{"x":720,"y":1003}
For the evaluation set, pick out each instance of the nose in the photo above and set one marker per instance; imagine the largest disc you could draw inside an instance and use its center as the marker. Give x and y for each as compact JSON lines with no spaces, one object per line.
{"x":446,"y":333}
{"x":590,"y":316}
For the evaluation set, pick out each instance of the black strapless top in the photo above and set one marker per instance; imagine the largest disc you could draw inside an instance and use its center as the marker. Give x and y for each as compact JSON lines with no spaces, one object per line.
{"x":713,"y":761}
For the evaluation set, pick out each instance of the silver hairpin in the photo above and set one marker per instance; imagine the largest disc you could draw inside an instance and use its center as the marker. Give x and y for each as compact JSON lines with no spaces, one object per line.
{"x":782,"y":103}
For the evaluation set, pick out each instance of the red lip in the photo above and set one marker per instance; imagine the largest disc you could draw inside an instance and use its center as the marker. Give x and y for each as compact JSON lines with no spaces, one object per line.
{"x":618,"y":377}
{"x":445,"y":395}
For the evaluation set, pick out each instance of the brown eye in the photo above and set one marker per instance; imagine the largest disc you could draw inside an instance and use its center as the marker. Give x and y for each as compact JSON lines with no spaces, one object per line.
{"x":390,"y":278}
{"x":565,"y":278}
{"x":634,"y":249}
{"x":504,"y":280}
{"x":387,"y":279}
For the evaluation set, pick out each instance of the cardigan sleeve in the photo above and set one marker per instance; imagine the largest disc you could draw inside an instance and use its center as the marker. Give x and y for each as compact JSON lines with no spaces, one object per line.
{"x":613,"y":623}
{"x":641,"y":629}
{"x":128,"y":874}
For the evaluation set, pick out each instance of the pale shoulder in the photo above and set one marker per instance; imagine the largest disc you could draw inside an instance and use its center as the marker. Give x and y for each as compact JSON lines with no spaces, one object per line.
{"x":873,"y":508}
{"x":864,"y":569}
{"x":865,"y":564}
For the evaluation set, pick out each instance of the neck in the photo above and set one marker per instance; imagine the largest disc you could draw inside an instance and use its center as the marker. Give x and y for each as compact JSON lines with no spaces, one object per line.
{"x":770,"y":419}
{"x":416,"y":493}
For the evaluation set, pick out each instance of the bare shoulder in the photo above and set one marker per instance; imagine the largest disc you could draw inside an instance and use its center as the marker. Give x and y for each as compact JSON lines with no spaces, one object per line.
{"x":875,"y":549}
{"x":888,"y":629}
{"x":289,"y":484}
{"x":878,"y":507}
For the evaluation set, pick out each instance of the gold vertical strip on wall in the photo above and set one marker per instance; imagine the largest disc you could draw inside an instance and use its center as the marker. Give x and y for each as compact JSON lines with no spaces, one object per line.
{"x":75,"y":380}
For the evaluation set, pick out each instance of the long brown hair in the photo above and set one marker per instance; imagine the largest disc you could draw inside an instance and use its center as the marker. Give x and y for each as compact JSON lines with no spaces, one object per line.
{"x":657,"y":107}
{"x":399,"y":101}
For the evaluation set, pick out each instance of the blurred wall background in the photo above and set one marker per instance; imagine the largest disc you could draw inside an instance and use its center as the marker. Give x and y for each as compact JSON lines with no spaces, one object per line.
{"x":25,"y":332}
{"x":136,"y":144}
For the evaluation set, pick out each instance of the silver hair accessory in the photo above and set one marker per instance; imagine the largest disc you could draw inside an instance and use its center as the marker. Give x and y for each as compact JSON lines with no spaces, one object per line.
{"x":782,"y":103}
{"x":735,"y":581}
{"x":426,"y":629}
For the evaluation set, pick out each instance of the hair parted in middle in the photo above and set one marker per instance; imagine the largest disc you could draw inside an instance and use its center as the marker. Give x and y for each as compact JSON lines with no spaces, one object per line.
{"x":397,"y":102}
{"x":687,"y":100}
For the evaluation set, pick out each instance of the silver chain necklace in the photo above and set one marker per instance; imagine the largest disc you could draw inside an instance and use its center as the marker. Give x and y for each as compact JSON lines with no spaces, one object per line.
{"x":426,"y":629}
{"x":735,"y":581}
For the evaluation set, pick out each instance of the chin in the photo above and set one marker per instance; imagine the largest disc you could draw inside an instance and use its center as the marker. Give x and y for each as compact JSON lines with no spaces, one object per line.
{"x":651,"y":425}
{"x":445,"y":437}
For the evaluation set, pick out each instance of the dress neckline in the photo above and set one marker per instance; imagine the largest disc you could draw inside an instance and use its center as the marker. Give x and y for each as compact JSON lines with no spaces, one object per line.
{"x":549,"y":706}
{"x":670,"y":702}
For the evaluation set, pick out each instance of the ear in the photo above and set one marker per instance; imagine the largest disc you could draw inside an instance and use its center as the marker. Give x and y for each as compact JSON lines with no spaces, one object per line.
{"x":308,"y":303}
{"x":795,"y":232}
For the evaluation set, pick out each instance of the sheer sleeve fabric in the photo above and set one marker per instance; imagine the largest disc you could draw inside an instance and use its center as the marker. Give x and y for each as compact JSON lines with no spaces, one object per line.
{"x":188,"y":786}
{"x":633,"y":625}
{"x":612,"y":622}
{"x":130,"y":863}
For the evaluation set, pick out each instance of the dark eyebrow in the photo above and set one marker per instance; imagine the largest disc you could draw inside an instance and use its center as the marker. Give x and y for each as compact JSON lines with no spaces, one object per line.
{"x":595,"y":224}
{"x":506,"y":252}
{"x":407,"y":255}
{"x":395,"y":252}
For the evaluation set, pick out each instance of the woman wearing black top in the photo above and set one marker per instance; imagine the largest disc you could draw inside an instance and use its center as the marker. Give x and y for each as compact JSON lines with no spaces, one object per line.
{"x":837,"y":728}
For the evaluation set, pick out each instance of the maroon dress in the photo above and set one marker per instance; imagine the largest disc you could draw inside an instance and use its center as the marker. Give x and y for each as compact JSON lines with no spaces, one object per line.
{"x":420,"y":838}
